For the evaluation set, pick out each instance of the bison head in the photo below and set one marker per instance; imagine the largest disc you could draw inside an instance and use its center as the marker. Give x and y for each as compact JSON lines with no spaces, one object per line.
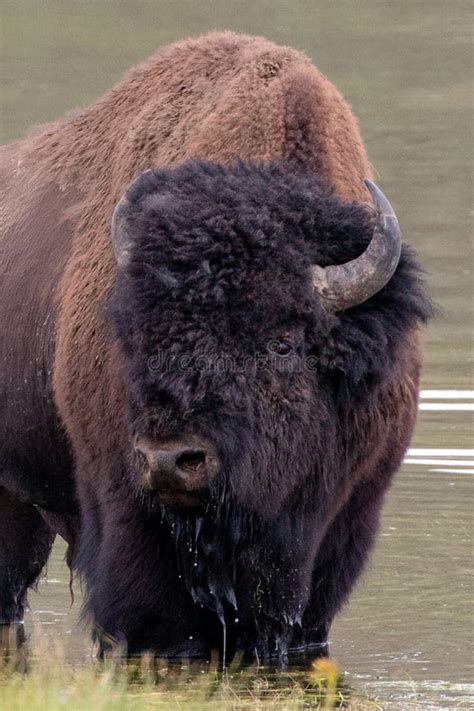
{"x":239,"y":309}
{"x":224,"y":309}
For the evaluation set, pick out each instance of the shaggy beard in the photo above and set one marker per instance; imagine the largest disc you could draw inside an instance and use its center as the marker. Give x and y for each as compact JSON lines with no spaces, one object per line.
{"x":207,"y":546}
{"x":221,"y":557}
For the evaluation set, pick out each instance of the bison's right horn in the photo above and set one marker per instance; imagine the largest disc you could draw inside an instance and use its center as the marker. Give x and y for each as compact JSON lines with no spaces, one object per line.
{"x":345,"y":285}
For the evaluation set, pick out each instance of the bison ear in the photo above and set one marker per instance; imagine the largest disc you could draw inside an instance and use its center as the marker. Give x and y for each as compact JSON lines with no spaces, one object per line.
{"x":121,"y":241}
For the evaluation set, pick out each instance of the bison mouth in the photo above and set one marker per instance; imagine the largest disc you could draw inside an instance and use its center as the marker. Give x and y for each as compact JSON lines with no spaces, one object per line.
{"x":183,"y":499}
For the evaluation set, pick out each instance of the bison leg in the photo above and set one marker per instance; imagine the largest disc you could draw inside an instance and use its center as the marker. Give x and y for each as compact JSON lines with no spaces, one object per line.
{"x":341,"y":558}
{"x":25,"y":543}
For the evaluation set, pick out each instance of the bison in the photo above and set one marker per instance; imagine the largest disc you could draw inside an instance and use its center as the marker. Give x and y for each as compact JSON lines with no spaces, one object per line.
{"x":207,"y":383}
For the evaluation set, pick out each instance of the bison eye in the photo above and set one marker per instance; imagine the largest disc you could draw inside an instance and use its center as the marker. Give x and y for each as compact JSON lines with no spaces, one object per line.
{"x":280,"y":347}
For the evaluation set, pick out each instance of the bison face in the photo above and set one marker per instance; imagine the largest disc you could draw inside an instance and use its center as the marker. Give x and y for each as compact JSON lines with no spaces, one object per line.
{"x":225,"y":402}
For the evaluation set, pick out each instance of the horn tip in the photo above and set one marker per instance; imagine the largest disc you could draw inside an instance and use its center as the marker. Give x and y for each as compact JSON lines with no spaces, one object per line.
{"x":380,"y":200}
{"x":373,"y":189}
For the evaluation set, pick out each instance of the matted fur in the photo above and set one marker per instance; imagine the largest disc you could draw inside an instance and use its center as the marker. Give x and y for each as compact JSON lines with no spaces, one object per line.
{"x":223,"y":98}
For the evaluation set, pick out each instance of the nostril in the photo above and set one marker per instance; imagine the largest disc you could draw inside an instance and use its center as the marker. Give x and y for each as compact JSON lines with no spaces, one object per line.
{"x":191,"y":460}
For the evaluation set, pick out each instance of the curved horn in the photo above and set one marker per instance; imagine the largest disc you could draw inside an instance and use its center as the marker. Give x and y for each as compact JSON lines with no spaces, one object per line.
{"x":121,"y":242}
{"x":120,"y":239}
{"x":344,"y":285}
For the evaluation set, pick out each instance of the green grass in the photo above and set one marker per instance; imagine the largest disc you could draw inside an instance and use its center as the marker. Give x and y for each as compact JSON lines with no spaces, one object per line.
{"x":50,"y":684}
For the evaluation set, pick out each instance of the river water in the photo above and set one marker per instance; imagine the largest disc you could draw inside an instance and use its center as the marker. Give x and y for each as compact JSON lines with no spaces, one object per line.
{"x":405,"y":66}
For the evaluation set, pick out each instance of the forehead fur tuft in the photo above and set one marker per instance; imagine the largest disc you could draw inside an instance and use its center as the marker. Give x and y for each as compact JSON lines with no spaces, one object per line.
{"x":207,"y":207}
{"x":227,"y":250}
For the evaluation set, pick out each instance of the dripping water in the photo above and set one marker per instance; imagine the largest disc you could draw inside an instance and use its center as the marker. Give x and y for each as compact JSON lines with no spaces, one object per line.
{"x":224,"y":644}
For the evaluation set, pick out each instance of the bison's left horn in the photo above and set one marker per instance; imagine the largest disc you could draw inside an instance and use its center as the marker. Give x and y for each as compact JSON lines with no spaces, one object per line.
{"x":344,"y":285}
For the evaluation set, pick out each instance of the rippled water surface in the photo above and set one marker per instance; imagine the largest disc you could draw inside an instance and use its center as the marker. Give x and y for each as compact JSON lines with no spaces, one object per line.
{"x":406,"y":68}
